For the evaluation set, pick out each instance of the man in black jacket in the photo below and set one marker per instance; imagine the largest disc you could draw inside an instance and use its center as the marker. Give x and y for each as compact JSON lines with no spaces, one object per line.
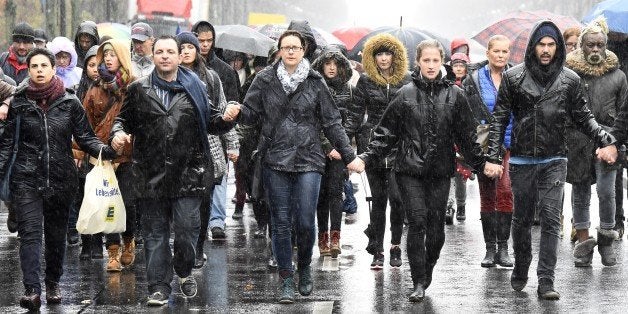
{"x":168,"y":115}
{"x":230,"y":81}
{"x":541,"y":95}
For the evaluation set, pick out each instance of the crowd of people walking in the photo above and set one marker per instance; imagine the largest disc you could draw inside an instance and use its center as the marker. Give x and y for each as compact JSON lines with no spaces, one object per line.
{"x":172,"y":113}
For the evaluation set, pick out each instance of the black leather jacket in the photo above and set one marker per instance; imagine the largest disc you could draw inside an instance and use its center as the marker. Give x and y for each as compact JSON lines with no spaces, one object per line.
{"x":168,"y":155}
{"x":541,"y":113}
{"x":424,"y":121}
{"x":296,"y":146}
{"x":44,"y":161}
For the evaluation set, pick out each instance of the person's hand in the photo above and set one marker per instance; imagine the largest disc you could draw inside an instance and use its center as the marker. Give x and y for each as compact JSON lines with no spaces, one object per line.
{"x":233,"y":157}
{"x":119,"y":140}
{"x":78,"y":162}
{"x":357,"y":165}
{"x":231,"y":112}
{"x":104,"y":74}
{"x":492,"y":170}
{"x":607,"y":154}
{"x":4,"y":111}
{"x":334,"y":155}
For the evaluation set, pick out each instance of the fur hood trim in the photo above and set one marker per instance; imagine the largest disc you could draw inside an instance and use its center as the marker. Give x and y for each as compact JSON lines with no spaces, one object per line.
{"x":577,"y":62}
{"x":399,"y":62}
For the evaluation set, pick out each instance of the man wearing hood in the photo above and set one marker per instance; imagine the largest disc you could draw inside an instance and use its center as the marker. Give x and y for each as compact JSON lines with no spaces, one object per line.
{"x":230,"y":81}
{"x":86,"y":37}
{"x":606,"y":90}
{"x":541,"y":95}
{"x":13,"y":62}
{"x":304,"y":28}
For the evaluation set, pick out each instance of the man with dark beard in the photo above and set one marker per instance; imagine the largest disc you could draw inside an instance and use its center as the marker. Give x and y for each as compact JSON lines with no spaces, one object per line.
{"x":541,"y":95}
{"x":605,"y":90}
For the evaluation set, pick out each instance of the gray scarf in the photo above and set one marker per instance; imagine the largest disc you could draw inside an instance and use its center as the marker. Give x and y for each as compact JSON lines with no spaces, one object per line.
{"x":291,"y":82}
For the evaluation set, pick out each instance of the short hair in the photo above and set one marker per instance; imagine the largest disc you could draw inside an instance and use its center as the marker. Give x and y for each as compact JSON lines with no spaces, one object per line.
{"x":166,"y":37}
{"x":40,"y":51}
{"x":572,"y":31}
{"x":295,"y":34}
{"x":203,"y":28}
{"x":430,"y":43}
{"x":494,"y":38}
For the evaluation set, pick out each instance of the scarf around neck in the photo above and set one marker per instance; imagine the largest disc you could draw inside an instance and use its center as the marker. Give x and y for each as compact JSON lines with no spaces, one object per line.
{"x":19,"y":63}
{"x":47,"y":94}
{"x":291,"y":82}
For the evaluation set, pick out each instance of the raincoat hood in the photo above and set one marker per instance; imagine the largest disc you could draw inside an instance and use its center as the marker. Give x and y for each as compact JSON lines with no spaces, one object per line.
{"x":211,"y":27}
{"x":88,"y":28}
{"x":344,"y":67}
{"x":123,"y":54}
{"x":457,"y":43}
{"x":304,"y":28}
{"x":540,"y":30}
{"x":71,"y":75}
{"x":90,"y":53}
{"x":399,"y":59}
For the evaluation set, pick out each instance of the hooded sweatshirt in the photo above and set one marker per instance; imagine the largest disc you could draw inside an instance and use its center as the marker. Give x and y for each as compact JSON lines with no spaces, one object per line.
{"x":304,"y":28}
{"x":88,"y":28}
{"x":70,"y":75}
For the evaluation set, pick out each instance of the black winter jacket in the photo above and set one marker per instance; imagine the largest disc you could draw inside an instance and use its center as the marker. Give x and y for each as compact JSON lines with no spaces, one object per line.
{"x":44,"y":161}
{"x":424,"y":121}
{"x":169,"y":159}
{"x":88,"y":28}
{"x":296,"y":146}
{"x":541,"y":113}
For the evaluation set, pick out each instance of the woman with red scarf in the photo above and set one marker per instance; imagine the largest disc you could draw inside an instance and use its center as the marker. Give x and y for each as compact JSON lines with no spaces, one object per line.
{"x":44,"y":177}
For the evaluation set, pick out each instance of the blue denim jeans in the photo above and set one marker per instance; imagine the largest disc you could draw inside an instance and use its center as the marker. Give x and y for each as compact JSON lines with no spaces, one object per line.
{"x":581,"y":199}
{"x":157,"y":217}
{"x":218,"y":212}
{"x":36,"y":215}
{"x":350,"y":204}
{"x":292,"y":194}
{"x":539,"y":185}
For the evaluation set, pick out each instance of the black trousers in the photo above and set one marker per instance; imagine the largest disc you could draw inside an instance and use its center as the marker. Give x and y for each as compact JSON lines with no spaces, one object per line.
{"x":383,"y":189}
{"x":330,"y":197}
{"x":425,"y":203}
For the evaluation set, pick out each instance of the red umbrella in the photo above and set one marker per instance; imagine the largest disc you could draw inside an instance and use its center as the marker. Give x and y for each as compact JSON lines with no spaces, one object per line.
{"x":351,"y":35}
{"x":518,"y":25}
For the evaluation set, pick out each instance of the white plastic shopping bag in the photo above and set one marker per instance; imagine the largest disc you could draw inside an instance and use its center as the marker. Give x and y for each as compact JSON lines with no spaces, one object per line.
{"x":102,"y":209}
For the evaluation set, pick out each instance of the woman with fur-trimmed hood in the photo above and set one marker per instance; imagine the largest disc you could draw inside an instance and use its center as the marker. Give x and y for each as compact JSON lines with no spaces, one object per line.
{"x":385,"y":62}
{"x":336,"y":71}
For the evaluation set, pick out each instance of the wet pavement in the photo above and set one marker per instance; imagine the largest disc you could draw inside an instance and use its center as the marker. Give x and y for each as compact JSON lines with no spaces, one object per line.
{"x":236,"y":278}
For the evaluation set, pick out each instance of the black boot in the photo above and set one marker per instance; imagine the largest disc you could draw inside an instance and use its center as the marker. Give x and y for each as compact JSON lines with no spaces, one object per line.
{"x":97,"y":249}
{"x":488,"y":228}
{"x":86,"y":247}
{"x":461,"y":215}
{"x":418,"y":293}
{"x":503,"y":234}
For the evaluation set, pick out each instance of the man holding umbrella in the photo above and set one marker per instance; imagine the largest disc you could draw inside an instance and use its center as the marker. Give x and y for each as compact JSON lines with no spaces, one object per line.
{"x":542,"y":96}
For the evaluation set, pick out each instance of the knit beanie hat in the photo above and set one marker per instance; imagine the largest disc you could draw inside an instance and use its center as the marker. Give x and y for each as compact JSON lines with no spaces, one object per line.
{"x":459,"y":57}
{"x":545,"y":31}
{"x":23,"y":31}
{"x":189,"y":38}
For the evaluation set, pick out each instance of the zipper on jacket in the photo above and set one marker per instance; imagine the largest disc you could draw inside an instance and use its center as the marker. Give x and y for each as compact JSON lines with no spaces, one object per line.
{"x":47,"y":150}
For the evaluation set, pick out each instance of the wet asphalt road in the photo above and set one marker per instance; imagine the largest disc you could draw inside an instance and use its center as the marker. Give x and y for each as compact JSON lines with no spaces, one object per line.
{"x":236,"y":278}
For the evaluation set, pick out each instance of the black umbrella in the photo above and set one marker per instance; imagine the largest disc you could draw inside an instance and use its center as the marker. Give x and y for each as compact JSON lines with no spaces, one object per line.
{"x":410,"y":37}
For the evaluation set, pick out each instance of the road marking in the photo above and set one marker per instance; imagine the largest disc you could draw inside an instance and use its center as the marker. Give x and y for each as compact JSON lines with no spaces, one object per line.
{"x":330,"y":264}
{"x":323,"y":307}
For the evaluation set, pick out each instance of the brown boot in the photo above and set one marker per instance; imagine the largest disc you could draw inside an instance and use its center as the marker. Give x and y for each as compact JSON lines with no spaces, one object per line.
{"x":113,"y":264}
{"x":335,"y":243}
{"x":128,"y":252}
{"x":323,"y":243}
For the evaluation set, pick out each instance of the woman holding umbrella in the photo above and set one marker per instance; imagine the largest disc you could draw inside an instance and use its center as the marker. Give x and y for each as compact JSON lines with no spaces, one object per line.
{"x":385,"y":63}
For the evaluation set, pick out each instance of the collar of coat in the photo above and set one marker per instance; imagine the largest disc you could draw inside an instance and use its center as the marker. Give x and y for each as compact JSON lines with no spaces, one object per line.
{"x":270,"y":72}
{"x":577,"y":62}
{"x":399,"y":59}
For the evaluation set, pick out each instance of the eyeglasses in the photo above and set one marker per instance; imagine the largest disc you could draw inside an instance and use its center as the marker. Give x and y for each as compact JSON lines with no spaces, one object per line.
{"x":293,"y":48}
{"x":570,"y":45}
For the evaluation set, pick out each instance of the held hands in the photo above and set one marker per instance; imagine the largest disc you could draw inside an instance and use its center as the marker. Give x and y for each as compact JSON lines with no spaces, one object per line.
{"x":334,"y":155}
{"x":492,"y":170}
{"x":119,"y":140}
{"x":231,"y":112}
{"x":607,"y":154}
{"x":4,"y":111}
{"x":357,"y":165}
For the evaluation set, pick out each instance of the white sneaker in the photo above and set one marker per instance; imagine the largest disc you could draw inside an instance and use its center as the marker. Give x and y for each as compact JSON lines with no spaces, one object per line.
{"x":188,"y":286}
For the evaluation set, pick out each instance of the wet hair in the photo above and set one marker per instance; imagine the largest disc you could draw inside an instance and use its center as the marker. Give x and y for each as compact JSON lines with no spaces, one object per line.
{"x":430,"y":43}
{"x":40,"y":51}
{"x":494,"y":38}
{"x":572,"y":31}
{"x":203,"y":28}
{"x":166,"y":37}
{"x":295,"y":34}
